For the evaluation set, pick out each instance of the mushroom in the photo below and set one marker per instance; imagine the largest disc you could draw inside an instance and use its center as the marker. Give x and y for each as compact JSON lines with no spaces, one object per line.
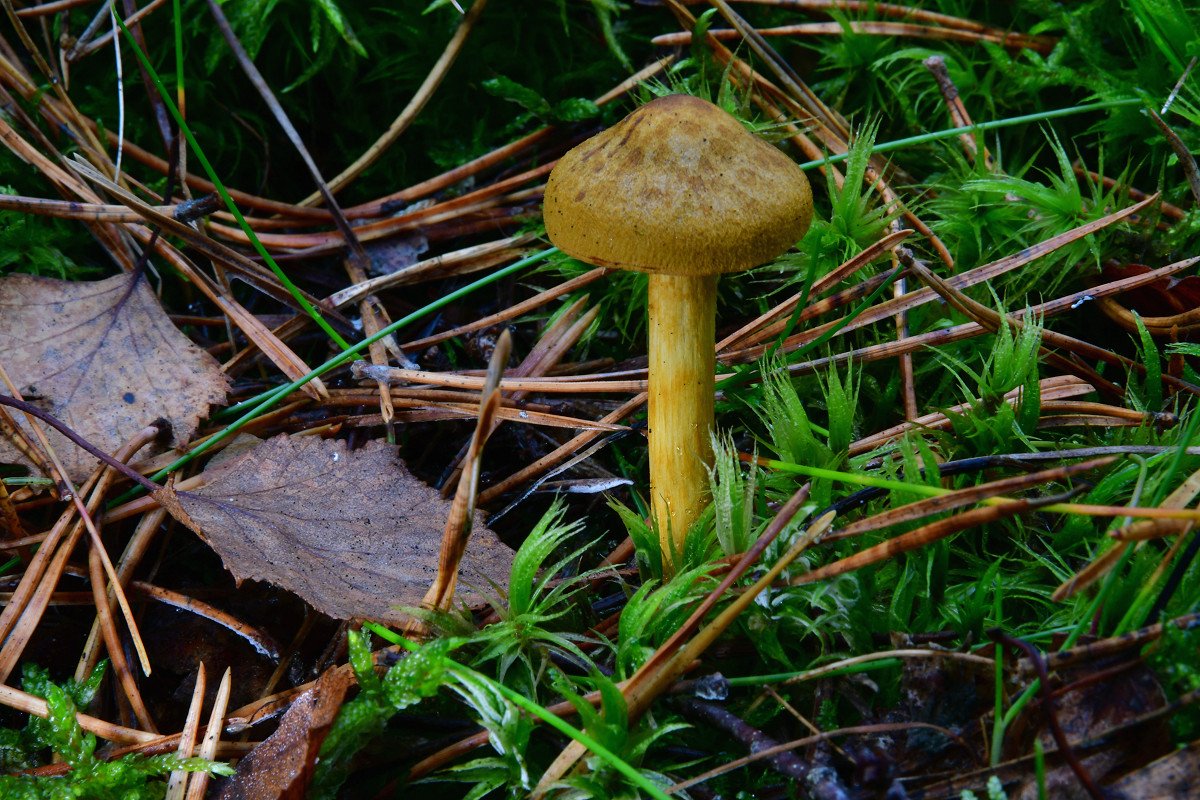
{"x":680,"y":190}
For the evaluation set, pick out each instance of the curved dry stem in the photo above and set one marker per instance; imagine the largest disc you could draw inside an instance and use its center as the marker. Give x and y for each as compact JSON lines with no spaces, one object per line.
{"x":415,"y":105}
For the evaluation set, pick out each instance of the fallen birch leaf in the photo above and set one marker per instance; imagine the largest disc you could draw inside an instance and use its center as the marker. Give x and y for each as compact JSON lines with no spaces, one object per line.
{"x":103,"y":357}
{"x":353,"y":533}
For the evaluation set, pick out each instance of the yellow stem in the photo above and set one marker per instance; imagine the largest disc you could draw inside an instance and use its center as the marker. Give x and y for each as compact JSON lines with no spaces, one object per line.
{"x":680,"y":415}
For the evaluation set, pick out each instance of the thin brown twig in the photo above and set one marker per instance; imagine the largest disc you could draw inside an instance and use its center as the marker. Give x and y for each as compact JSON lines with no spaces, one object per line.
{"x":959,"y":118}
{"x":895,"y":10}
{"x":1186,"y":160}
{"x":1039,"y":44}
{"x":929,"y":506}
{"x":769,"y":323}
{"x":926,"y":534}
{"x":462,"y":510}
{"x":374,"y":316}
{"x":84,"y":47}
{"x":967,"y":330}
{"x":49,"y":9}
{"x":31,"y":704}
{"x":985,"y":272}
{"x":211,"y":743}
{"x":991,"y":320}
{"x":422,"y":96}
{"x":260,"y":640}
{"x":553,"y":345}
{"x":177,"y":782}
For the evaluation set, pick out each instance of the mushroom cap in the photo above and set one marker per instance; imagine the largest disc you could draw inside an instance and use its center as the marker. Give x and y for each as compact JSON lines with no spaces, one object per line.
{"x":678,"y":187}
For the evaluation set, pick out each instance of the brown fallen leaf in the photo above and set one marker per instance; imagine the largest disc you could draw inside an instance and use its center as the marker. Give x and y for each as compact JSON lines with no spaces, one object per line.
{"x":1087,"y":708}
{"x":353,"y":533}
{"x":103,"y":357}
{"x":1173,"y":776}
{"x":1165,"y":297}
{"x":281,"y":767}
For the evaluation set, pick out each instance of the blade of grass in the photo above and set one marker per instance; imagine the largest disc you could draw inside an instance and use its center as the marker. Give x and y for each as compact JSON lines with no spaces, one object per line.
{"x":949,"y":133}
{"x":221,"y":190}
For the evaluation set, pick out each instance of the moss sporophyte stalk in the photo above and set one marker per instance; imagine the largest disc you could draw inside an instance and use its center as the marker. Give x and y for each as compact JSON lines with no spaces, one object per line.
{"x":680,"y":190}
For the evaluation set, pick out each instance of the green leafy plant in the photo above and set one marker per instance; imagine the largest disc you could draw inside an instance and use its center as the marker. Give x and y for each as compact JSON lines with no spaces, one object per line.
{"x":995,"y":791}
{"x":328,"y":30}
{"x":733,"y":492}
{"x":855,"y":219}
{"x":1049,"y":207}
{"x":89,"y":778}
{"x":34,"y":245}
{"x":508,"y":733}
{"x":790,"y":431}
{"x":572,"y":109}
{"x":413,"y":679}
{"x":1146,"y":394}
{"x":611,"y":726}
{"x":536,"y":598}
{"x":654,"y":612}
{"x":698,"y":548}
{"x":992,"y":424}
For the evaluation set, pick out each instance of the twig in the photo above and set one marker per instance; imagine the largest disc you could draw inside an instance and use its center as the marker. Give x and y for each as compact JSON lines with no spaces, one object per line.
{"x":177,"y":783}
{"x":966,"y":330}
{"x":1186,"y":159}
{"x":83,"y":47}
{"x":374,"y":316}
{"x":422,"y":96}
{"x":959,"y":117}
{"x":212,"y":735}
{"x":992,"y":320}
{"x":786,"y":763}
{"x":260,"y":640}
{"x":462,"y":510}
{"x":1039,"y":44}
{"x":31,"y":704}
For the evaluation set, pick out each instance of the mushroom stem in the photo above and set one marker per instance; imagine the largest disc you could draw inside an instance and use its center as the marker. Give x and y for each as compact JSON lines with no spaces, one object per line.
{"x":682,"y":362}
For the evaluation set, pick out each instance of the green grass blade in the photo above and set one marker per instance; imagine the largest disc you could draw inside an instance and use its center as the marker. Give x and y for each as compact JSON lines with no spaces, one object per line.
{"x":947,"y":133}
{"x":221,"y":190}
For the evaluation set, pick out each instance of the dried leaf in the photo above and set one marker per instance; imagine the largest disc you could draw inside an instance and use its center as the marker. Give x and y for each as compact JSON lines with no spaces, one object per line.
{"x":1165,"y":297}
{"x":1101,"y":710}
{"x":281,"y":767}
{"x":1170,"y":777}
{"x":353,"y":533}
{"x":168,"y":499}
{"x":105,"y":359}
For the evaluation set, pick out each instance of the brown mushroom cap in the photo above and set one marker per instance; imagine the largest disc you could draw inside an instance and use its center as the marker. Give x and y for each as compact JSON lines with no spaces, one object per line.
{"x":677,"y":187}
